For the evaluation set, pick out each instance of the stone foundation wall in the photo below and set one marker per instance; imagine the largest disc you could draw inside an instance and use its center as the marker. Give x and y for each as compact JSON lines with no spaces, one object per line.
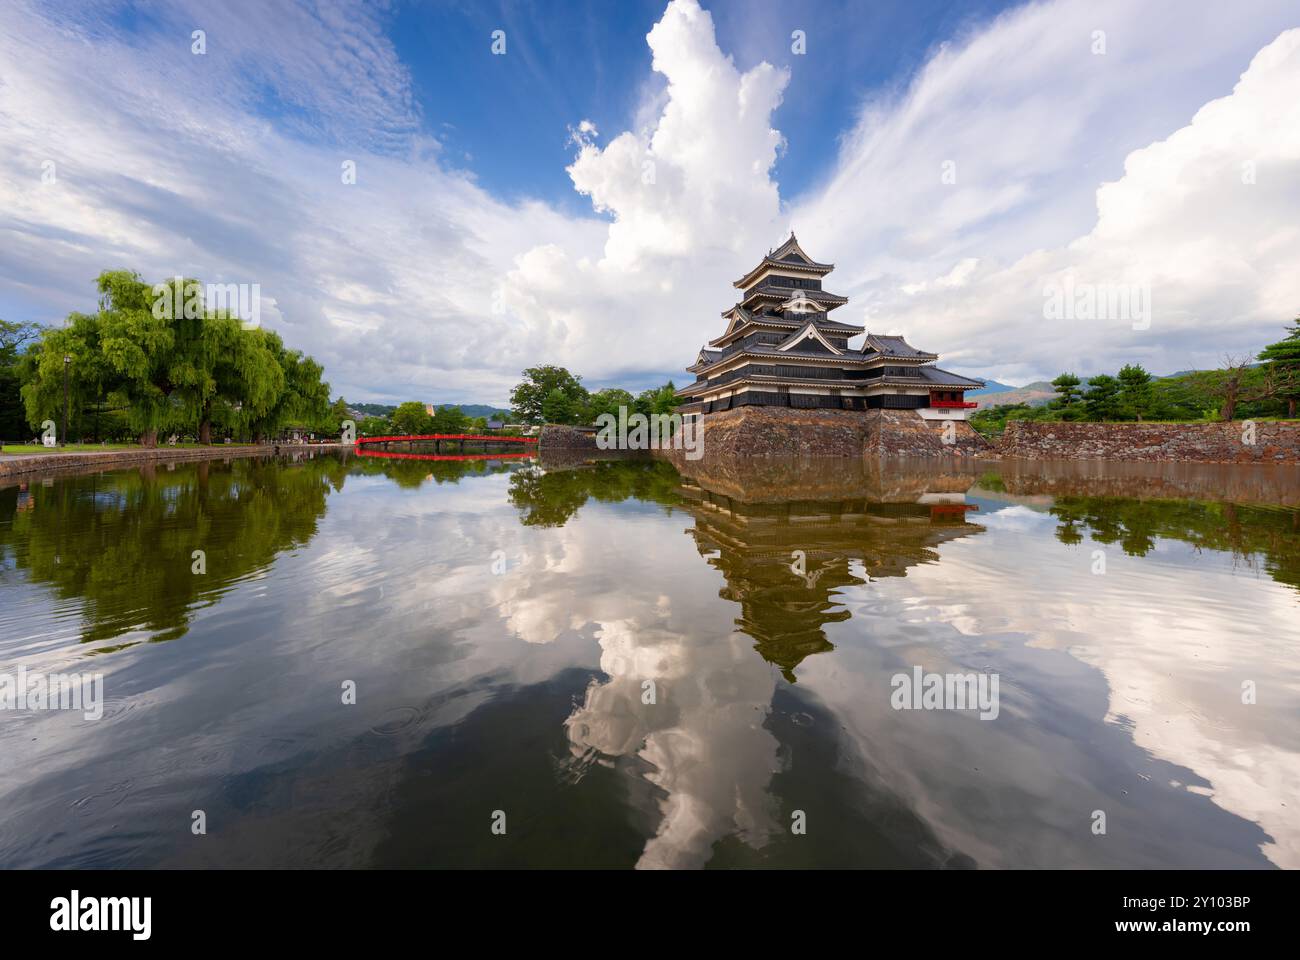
{"x":784,"y":432}
{"x":1178,"y":442}
{"x":791,"y":433}
{"x":904,"y":433}
{"x":566,"y":439}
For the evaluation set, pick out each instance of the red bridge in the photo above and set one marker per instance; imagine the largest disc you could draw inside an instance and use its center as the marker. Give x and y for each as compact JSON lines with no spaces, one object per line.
{"x":363,"y":452}
{"x":446,"y":436}
{"x":438,"y":439}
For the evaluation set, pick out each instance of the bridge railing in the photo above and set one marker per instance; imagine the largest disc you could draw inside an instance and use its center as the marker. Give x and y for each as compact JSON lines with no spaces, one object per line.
{"x":446,"y":436}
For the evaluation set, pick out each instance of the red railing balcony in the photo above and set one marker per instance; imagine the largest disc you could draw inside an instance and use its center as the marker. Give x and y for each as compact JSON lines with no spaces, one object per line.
{"x":954,"y":404}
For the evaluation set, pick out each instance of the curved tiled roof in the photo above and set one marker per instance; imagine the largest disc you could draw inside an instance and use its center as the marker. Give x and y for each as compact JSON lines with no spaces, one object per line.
{"x":782,"y":294}
{"x":789,"y":256}
{"x":807,"y":331}
{"x":936,"y":377}
{"x":775,"y":320}
{"x":895,"y":347}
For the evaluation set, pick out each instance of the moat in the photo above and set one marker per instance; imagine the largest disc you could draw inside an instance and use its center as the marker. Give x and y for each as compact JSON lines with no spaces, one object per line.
{"x":625,"y":665}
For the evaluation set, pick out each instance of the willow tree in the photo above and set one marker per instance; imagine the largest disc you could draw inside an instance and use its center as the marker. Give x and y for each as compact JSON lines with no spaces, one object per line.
{"x":204,"y":345}
{"x":42,"y":370}
{"x":172,"y":362}
{"x":240,"y":369}
{"x":302,"y":397}
{"x":14,"y":338}
{"x":139,"y":348}
{"x":214,"y":360}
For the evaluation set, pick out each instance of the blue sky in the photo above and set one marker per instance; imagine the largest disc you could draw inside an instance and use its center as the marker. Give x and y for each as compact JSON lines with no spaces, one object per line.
{"x":506,"y":119}
{"x":586,"y":198}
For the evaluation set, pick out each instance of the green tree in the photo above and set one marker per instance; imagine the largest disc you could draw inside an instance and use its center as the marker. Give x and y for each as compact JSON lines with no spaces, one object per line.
{"x":1183,"y":398}
{"x":1237,"y":385}
{"x":657,"y":400}
{"x":139,"y":347}
{"x":331,"y":425}
{"x":41,"y":369}
{"x":449,"y":419}
{"x":162,"y":360}
{"x":557,"y":407}
{"x":608,"y":401}
{"x":1102,"y":401}
{"x":232,"y":369}
{"x":410,"y":418}
{"x":303,"y":398}
{"x":527,"y":397}
{"x":210,"y":363}
{"x":1067,"y":391}
{"x":375,"y":427}
{"x":1283,"y":359}
{"x":1135,"y":393}
{"x":14,"y":339}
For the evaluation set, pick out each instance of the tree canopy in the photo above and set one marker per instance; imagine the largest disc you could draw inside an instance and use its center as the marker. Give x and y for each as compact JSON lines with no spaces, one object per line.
{"x":528,"y":398}
{"x":1283,"y":358}
{"x":551,"y":394}
{"x":165,"y":369}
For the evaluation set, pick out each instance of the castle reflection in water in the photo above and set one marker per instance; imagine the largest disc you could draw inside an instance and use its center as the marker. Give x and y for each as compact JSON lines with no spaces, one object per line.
{"x":785,"y":560}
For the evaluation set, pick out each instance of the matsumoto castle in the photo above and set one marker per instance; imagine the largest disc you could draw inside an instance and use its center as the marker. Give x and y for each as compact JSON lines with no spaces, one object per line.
{"x":782,"y":349}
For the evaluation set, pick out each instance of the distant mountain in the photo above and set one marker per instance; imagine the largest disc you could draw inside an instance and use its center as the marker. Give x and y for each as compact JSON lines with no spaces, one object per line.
{"x":469,"y":409}
{"x":480,"y":410}
{"x":1037,"y":393}
{"x":991,"y":386}
{"x":373,"y":409}
{"x":1034,"y":394}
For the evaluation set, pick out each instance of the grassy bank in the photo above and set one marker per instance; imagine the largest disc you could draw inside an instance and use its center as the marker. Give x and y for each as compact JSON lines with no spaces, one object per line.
{"x":28,"y":449}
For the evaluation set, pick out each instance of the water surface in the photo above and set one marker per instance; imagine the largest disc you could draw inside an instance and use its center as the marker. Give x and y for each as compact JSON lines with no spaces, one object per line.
{"x":506,"y":624}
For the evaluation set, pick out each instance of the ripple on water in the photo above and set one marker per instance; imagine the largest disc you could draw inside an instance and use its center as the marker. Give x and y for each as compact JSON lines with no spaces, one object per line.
{"x":397,"y":721}
{"x":110,"y":796}
{"x":187,"y":760}
{"x":116,"y":708}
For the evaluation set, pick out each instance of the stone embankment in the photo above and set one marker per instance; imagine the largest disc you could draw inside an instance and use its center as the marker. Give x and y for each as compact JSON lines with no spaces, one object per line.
{"x":558,"y":438}
{"x":787,"y":433}
{"x":905,"y":433}
{"x":25,"y":464}
{"x":1237,"y":442}
{"x":767,"y":432}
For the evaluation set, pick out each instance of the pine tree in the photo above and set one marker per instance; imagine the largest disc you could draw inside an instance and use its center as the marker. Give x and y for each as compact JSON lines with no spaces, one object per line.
{"x":1283,"y":359}
{"x":1135,"y":391}
{"x":1067,"y":390}
{"x":1102,"y":400}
